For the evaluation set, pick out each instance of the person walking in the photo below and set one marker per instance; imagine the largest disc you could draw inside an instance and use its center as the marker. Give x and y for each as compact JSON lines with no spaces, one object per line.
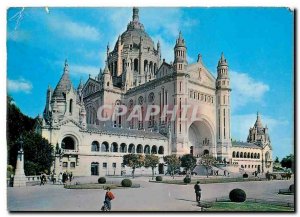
{"x":197,"y":191}
{"x":109,"y":196}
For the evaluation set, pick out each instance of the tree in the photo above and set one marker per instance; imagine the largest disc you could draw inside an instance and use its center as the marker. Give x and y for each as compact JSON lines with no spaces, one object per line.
{"x":288,"y":162}
{"x":134,"y":161}
{"x":173,"y":163}
{"x":207,"y":161}
{"x":17,"y":124}
{"x":188,"y":161}
{"x":38,"y":152}
{"x":151,"y":161}
{"x":276,"y":160}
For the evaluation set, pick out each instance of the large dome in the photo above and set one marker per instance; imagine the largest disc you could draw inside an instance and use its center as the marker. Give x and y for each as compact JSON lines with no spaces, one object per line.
{"x":135,"y":33}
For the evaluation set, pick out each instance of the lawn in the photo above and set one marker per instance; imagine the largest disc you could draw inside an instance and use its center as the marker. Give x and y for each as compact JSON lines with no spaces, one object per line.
{"x":247,"y":207}
{"x":90,"y":186}
{"x":209,"y":180}
{"x":98,"y":186}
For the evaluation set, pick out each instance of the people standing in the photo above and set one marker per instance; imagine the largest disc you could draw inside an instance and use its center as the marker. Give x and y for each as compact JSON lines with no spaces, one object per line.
{"x":197,"y":191}
{"x":60,"y":177}
{"x":71,"y":176}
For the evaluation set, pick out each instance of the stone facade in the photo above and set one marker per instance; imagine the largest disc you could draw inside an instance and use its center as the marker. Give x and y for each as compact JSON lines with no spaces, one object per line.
{"x":256,"y":153}
{"x":135,"y":75}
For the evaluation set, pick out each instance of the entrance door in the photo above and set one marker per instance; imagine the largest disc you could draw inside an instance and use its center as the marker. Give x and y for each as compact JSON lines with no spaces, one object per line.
{"x":192,"y":150}
{"x":95,"y":169}
{"x":161,"y":168}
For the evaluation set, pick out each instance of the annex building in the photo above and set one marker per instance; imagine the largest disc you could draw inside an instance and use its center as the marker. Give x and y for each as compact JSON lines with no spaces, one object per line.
{"x":136,"y":75}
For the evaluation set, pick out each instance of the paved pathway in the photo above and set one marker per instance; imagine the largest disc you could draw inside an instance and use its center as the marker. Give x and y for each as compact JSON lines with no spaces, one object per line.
{"x":150,"y":197}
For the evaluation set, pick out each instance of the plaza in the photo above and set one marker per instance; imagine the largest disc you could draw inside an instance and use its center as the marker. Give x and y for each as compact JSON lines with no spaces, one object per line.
{"x":160,"y":197}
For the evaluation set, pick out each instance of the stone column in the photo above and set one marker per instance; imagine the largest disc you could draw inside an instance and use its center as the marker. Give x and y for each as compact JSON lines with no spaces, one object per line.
{"x":20,"y":179}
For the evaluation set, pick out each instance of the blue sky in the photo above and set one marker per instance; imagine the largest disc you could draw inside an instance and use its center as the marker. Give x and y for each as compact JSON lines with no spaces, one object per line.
{"x":257,"y":42}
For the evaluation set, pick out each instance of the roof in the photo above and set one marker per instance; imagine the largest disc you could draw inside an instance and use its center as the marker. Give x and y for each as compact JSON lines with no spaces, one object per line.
{"x":126,"y":132}
{"x":64,"y":84}
{"x":244,"y":145}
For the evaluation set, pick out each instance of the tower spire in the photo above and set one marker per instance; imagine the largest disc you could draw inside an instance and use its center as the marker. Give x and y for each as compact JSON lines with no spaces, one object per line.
{"x":135,"y":14}
{"x":66,"y":67}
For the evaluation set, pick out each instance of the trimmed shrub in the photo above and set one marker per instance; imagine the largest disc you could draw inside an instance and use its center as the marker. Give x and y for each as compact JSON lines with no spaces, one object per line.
{"x":245,"y":175}
{"x":237,"y":195}
{"x":126,"y":183}
{"x":102,"y":180}
{"x":292,"y":188}
{"x":158,"y":178}
{"x":187,"y":180}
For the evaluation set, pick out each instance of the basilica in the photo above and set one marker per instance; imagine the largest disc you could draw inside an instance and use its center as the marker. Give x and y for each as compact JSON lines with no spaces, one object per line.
{"x":92,"y":126}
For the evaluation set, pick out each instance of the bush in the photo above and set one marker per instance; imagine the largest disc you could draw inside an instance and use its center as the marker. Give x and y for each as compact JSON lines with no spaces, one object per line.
{"x":292,"y":188}
{"x":102,"y":180}
{"x":237,"y":195}
{"x":187,"y":180}
{"x":158,"y":178}
{"x":126,"y":183}
{"x":245,"y":175}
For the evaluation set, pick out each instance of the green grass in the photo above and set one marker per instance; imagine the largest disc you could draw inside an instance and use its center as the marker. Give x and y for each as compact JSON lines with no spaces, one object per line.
{"x":209,"y":180}
{"x":247,"y":206}
{"x":90,"y":186}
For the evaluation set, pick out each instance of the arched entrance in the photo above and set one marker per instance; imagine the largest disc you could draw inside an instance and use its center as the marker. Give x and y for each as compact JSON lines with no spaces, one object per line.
{"x":205,"y":152}
{"x":68,"y":143}
{"x":200,"y":138}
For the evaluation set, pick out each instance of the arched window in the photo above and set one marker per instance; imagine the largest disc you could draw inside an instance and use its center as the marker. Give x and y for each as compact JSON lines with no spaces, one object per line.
{"x":151,"y":67}
{"x":258,"y":156}
{"x":104,"y":147}
{"x":145,"y":66}
{"x":136,"y":65}
{"x":139,"y":148}
{"x":245,"y":155}
{"x":68,"y":143}
{"x":233,"y":154}
{"x":123,"y":148}
{"x":161,"y":150}
{"x":154,"y":149}
{"x":114,"y":147}
{"x":248,"y":156}
{"x":147,"y":149}
{"x":131,"y":148}
{"x":241,"y":155}
{"x":251,"y":155}
{"x":95,"y":146}
{"x":255,"y":156}
{"x":71,"y":106}
{"x":237,"y":154}
{"x":267,"y":156}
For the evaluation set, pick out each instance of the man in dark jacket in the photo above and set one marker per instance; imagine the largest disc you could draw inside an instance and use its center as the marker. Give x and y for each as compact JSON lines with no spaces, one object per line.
{"x":197,"y":191}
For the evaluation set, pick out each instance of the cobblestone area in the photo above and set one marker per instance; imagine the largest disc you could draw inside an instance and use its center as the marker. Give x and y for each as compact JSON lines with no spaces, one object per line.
{"x":150,"y":197}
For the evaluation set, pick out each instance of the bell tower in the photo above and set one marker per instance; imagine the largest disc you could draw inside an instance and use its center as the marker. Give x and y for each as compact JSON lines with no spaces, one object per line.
{"x":223,"y":110}
{"x":180,"y":61}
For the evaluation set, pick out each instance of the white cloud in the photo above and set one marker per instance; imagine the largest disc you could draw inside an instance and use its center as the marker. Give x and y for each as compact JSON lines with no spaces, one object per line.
{"x":240,"y":125}
{"x":84,"y":70}
{"x":246,"y":90}
{"x":18,"y":35}
{"x":71,"y":29}
{"x":20,"y":85}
